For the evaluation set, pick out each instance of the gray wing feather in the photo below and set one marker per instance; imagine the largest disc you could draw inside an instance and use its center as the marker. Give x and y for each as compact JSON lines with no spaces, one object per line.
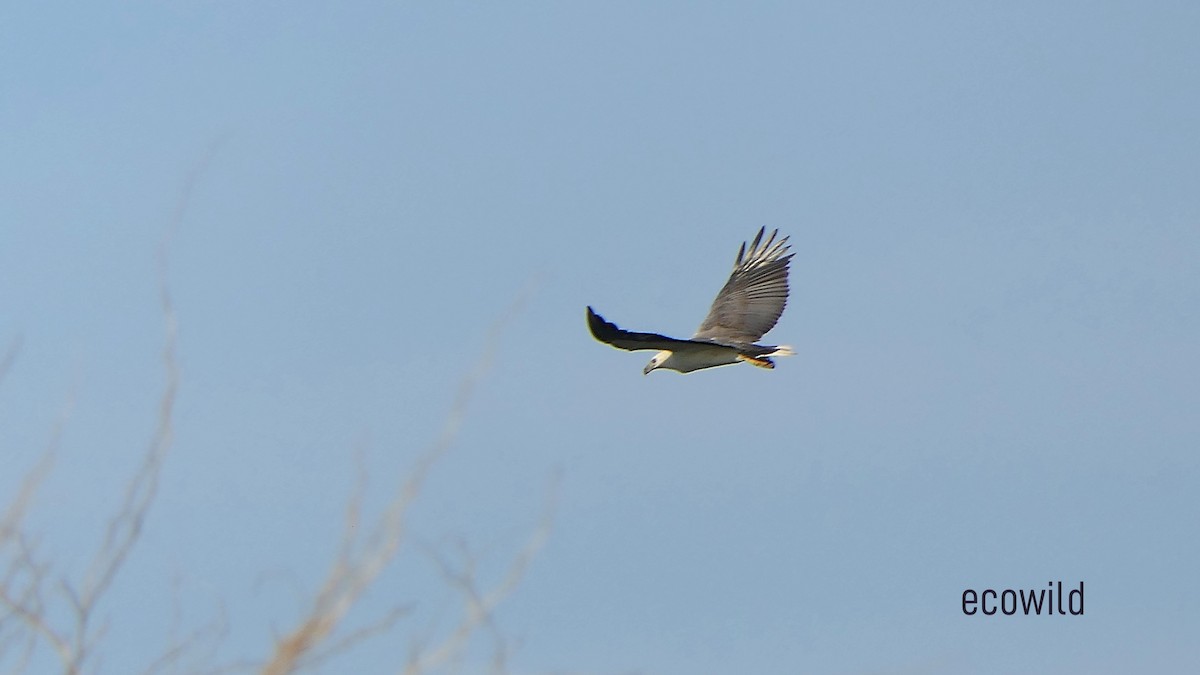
{"x":754,"y":297}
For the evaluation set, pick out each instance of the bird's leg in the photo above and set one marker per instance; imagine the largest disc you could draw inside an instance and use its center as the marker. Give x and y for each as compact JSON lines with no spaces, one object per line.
{"x":761,"y":363}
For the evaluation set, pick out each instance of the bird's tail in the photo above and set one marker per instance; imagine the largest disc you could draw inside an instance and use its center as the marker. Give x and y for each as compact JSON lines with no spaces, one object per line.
{"x":763,"y":359}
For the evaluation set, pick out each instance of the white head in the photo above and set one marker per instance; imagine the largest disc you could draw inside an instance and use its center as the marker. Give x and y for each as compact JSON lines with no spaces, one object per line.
{"x":657,"y":362}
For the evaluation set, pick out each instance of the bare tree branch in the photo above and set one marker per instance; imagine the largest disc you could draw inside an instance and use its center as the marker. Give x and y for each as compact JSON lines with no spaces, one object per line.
{"x":23,"y":588}
{"x":359,"y":564}
{"x":10,"y":356}
{"x":369,"y":545}
{"x":479,"y":604}
{"x":74,"y":645}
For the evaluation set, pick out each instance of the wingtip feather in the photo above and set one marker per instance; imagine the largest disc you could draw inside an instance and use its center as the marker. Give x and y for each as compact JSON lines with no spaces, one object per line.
{"x":598,"y":326}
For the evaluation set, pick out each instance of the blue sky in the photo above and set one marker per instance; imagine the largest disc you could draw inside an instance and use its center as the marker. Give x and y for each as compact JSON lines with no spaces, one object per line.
{"x":995,"y":305}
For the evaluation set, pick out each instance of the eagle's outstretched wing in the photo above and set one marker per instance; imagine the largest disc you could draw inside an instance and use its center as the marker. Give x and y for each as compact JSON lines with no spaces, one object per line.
{"x":607,"y":332}
{"x":754,"y":297}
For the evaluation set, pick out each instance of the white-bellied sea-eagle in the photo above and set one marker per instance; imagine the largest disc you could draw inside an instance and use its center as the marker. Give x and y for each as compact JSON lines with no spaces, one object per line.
{"x":746,"y":308}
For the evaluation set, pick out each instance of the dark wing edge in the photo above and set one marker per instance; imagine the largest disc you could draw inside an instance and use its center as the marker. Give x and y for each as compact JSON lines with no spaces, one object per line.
{"x":608,"y":333}
{"x":755,"y":295}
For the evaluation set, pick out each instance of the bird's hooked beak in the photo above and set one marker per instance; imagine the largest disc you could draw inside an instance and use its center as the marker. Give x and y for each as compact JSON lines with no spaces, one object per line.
{"x":657,"y":362}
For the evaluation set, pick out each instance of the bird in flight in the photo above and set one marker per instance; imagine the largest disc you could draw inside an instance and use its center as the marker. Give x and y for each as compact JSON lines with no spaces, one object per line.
{"x":746,"y":308}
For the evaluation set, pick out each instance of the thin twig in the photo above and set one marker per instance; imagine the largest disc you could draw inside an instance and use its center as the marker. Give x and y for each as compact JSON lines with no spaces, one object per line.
{"x":125,"y":528}
{"x":10,"y":356}
{"x":481,"y":605}
{"x":27,"y":605}
{"x":74,"y":645}
{"x":357,"y":567}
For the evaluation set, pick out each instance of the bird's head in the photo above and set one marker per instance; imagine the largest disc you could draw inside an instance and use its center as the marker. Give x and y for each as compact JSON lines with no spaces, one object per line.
{"x":656,"y":362}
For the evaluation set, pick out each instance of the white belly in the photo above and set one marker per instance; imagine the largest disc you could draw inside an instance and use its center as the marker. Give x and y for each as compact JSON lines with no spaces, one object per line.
{"x":687,"y":360}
